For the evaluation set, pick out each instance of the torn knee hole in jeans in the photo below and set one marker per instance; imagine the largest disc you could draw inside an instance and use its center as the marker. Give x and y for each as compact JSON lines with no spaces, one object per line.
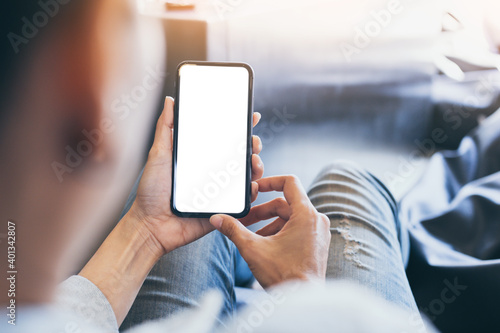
{"x":352,"y":246}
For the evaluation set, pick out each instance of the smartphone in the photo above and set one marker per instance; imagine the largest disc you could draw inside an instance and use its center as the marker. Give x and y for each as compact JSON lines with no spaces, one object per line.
{"x":212,"y":149}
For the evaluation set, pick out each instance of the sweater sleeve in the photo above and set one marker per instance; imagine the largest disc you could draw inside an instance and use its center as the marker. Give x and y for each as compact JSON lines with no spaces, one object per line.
{"x":83,"y":299}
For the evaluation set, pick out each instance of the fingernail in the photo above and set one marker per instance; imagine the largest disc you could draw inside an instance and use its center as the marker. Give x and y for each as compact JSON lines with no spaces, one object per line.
{"x":216,"y":221}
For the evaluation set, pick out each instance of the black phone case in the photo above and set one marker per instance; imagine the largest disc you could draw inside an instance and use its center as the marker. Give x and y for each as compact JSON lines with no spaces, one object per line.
{"x":249,"y":140}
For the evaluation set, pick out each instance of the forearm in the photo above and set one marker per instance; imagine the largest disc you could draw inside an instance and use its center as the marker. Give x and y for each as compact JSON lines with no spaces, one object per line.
{"x":122,"y":263}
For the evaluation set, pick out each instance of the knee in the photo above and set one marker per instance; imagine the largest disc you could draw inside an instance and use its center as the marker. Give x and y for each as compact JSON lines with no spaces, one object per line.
{"x":348,"y":176}
{"x":345,"y":177}
{"x":343,"y":169}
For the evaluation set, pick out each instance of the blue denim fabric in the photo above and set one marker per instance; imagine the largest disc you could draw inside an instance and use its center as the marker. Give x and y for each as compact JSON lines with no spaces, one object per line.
{"x":368,"y":247}
{"x":183,"y":276}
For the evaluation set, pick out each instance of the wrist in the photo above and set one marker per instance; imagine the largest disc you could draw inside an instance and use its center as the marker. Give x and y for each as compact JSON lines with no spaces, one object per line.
{"x":141,"y":234}
{"x":122,"y":263}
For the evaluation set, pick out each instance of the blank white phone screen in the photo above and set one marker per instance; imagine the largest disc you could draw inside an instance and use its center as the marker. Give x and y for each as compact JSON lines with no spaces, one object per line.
{"x":212,"y":139}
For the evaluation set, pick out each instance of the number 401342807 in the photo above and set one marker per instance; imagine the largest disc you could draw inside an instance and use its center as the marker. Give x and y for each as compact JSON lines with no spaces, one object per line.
{"x":11,"y":242}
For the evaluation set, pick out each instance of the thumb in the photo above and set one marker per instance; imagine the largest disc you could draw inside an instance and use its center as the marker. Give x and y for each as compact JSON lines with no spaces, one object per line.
{"x":232,"y":229}
{"x":162,"y":145}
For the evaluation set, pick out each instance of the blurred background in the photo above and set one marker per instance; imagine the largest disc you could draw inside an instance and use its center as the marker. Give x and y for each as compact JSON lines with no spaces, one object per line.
{"x":384,"y":83}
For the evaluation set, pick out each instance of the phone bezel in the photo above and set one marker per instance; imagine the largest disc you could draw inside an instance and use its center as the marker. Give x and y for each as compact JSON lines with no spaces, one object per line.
{"x":248,"y":166}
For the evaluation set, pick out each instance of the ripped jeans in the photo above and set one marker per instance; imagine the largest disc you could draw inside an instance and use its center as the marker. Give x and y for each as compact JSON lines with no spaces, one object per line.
{"x":368,"y":247}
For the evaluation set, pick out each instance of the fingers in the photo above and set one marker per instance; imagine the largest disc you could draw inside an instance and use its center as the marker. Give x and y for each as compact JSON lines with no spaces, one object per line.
{"x":256,"y":118}
{"x":256,"y":144}
{"x":272,"y":228}
{"x":232,"y":229}
{"x":257,"y":167}
{"x":276,"y":207}
{"x":162,"y":145}
{"x":254,"y":190}
{"x":168,"y":111}
{"x":289,"y":185}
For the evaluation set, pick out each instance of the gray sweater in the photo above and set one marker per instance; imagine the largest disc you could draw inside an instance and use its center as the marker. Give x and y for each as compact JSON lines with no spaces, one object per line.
{"x":338,"y":306}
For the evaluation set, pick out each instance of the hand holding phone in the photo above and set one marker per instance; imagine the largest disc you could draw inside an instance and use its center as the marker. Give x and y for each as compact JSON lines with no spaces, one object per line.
{"x":152,"y":203}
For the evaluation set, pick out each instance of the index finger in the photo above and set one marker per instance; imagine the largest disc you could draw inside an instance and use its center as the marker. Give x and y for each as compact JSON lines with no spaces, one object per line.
{"x":290,"y":186}
{"x":256,"y":118}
